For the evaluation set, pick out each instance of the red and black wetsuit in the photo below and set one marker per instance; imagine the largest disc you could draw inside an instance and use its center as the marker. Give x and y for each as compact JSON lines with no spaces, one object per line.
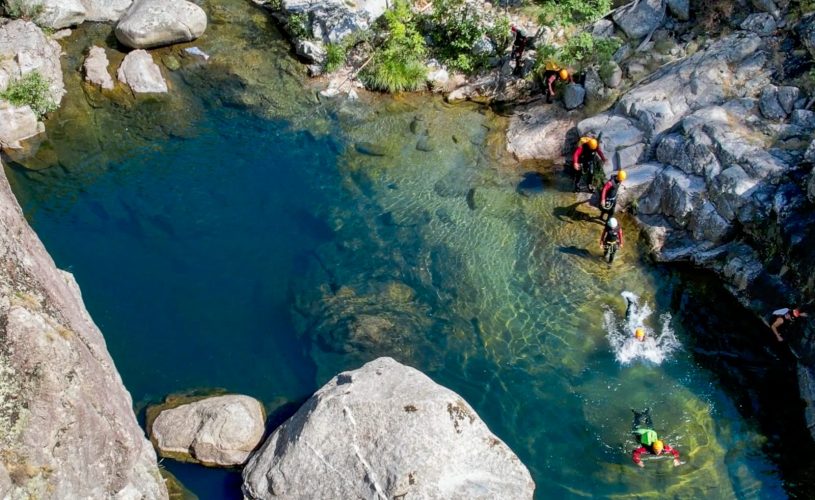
{"x":550,"y":76}
{"x":585,"y":157}
{"x":647,"y":449}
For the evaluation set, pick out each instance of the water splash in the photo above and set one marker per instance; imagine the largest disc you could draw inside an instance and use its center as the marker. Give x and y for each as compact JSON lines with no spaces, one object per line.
{"x":655,"y":348}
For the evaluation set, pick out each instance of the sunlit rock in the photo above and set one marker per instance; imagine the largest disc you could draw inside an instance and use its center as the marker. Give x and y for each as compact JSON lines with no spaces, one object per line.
{"x":96,"y":68}
{"x":385,"y":430}
{"x":142,"y":74}
{"x":220,"y":430}
{"x":153,"y":23}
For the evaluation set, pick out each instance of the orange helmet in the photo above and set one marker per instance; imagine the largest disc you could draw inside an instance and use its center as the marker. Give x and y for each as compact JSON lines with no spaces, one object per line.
{"x":564,"y":74}
{"x":621,"y":175}
{"x":640,"y":334}
{"x":593,"y":144}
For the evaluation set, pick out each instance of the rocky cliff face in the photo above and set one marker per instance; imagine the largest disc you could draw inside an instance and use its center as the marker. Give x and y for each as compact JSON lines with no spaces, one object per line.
{"x":716,"y":143}
{"x":67,"y":428}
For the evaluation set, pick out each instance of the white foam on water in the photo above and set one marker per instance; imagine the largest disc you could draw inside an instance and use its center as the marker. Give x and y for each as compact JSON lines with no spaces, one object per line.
{"x":620,"y":334}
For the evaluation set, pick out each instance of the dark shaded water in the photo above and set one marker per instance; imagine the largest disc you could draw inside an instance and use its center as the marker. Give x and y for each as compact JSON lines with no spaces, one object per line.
{"x":250,"y":255}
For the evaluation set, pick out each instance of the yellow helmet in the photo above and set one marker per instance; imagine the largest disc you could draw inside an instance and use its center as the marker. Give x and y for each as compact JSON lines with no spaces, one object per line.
{"x":640,"y":334}
{"x":564,"y":75}
{"x":658,"y":446}
{"x":621,"y":175}
{"x":593,"y":144}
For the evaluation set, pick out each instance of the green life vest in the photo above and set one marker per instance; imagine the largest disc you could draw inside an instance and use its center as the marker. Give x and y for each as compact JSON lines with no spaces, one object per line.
{"x":647,"y":436}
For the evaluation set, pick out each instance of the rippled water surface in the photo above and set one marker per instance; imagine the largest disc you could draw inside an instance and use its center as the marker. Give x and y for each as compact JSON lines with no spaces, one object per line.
{"x":260,"y":244}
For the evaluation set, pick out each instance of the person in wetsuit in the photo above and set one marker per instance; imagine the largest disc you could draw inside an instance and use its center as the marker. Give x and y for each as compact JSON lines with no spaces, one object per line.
{"x":608,"y":196}
{"x":612,"y":235}
{"x":518,"y":47}
{"x":586,"y":159}
{"x":649,"y":441}
{"x":551,"y":75}
{"x":786,"y":315}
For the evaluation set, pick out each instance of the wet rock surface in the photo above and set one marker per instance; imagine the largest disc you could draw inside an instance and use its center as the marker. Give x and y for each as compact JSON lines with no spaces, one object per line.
{"x":62,"y":403}
{"x":385,"y":430}
{"x":215,"y":431}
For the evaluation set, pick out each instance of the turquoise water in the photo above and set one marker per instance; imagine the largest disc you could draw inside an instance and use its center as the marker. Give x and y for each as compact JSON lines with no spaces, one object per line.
{"x":263,"y":251}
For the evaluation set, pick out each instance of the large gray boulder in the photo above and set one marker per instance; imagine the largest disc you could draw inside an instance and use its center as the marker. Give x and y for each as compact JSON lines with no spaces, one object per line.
{"x":640,"y":17}
{"x":573,"y":96}
{"x":105,"y":11}
{"x":760,"y":22}
{"x":331,"y":20}
{"x":680,"y":9}
{"x":153,"y":23}
{"x":67,"y":427}
{"x":769,"y":104}
{"x":96,"y":68}
{"x":142,"y":74}
{"x":54,"y":14}
{"x":216,"y":431}
{"x":538,"y":131}
{"x":385,"y":431}
{"x":17,"y":123}
{"x":674,"y":194}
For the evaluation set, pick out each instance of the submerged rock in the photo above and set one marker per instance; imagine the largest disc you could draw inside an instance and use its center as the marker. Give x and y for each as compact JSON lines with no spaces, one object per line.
{"x":67,"y":428}
{"x":142,"y":74}
{"x":153,"y":23}
{"x":385,"y":430}
{"x":96,"y":68}
{"x":220,"y":431}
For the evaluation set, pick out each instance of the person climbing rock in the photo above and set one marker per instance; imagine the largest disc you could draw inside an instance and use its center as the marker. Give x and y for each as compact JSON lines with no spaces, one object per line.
{"x":786,"y":315}
{"x":586,"y":161}
{"x":518,"y":47}
{"x":608,"y":196}
{"x":649,"y":441}
{"x":551,"y":73}
{"x":611,"y":238}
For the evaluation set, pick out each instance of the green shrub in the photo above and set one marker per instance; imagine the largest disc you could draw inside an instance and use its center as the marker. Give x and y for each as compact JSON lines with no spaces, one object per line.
{"x":32,"y":90}
{"x":398,"y":63}
{"x":557,"y":13}
{"x":579,"y":53}
{"x":499,"y":33}
{"x":334,"y":57}
{"x":297,"y":25}
{"x":454,"y":27}
{"x":18,"y":9}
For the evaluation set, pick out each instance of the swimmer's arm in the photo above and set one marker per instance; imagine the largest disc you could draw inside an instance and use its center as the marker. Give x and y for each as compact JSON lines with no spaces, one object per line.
{"x":636,"y":456}
{"x":774,"y":327}
{"x":674,"y":453}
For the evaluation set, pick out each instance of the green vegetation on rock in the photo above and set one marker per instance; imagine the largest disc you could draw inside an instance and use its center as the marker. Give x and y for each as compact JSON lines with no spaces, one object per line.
{"x":18,"y":9}
{"x":335,"y":57}
{"x":564,"y":13}
{"x":32,"y":90}
{"x":580,"y":52}
{"x":398,"y":63}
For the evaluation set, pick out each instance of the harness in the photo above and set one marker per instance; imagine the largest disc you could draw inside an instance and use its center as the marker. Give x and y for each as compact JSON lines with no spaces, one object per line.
{"x":611,"y":195}
{"x":646,"y":436}
{"x":612,"y":235}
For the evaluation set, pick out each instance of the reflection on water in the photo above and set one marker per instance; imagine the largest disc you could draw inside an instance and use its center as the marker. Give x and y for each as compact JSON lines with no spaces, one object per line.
{"x":626,"y":346}
{"x":250,"y":255}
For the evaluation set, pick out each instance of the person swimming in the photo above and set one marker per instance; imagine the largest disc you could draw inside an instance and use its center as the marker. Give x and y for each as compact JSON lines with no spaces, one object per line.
{"x":647,"y":438}
{"x":630,"y":337}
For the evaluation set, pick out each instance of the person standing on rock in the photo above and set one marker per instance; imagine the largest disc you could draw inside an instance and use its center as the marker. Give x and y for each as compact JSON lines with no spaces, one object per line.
{"x":551,"y":74}
{"x":518,"y":47}
{"x":608,"y":196}
{"x":646,"y":436}
{"x":585,"y":161}
{"x":788,"y":315}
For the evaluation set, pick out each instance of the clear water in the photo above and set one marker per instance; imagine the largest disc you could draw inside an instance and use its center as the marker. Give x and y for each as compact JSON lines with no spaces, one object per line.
{"x":266,"y":247}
